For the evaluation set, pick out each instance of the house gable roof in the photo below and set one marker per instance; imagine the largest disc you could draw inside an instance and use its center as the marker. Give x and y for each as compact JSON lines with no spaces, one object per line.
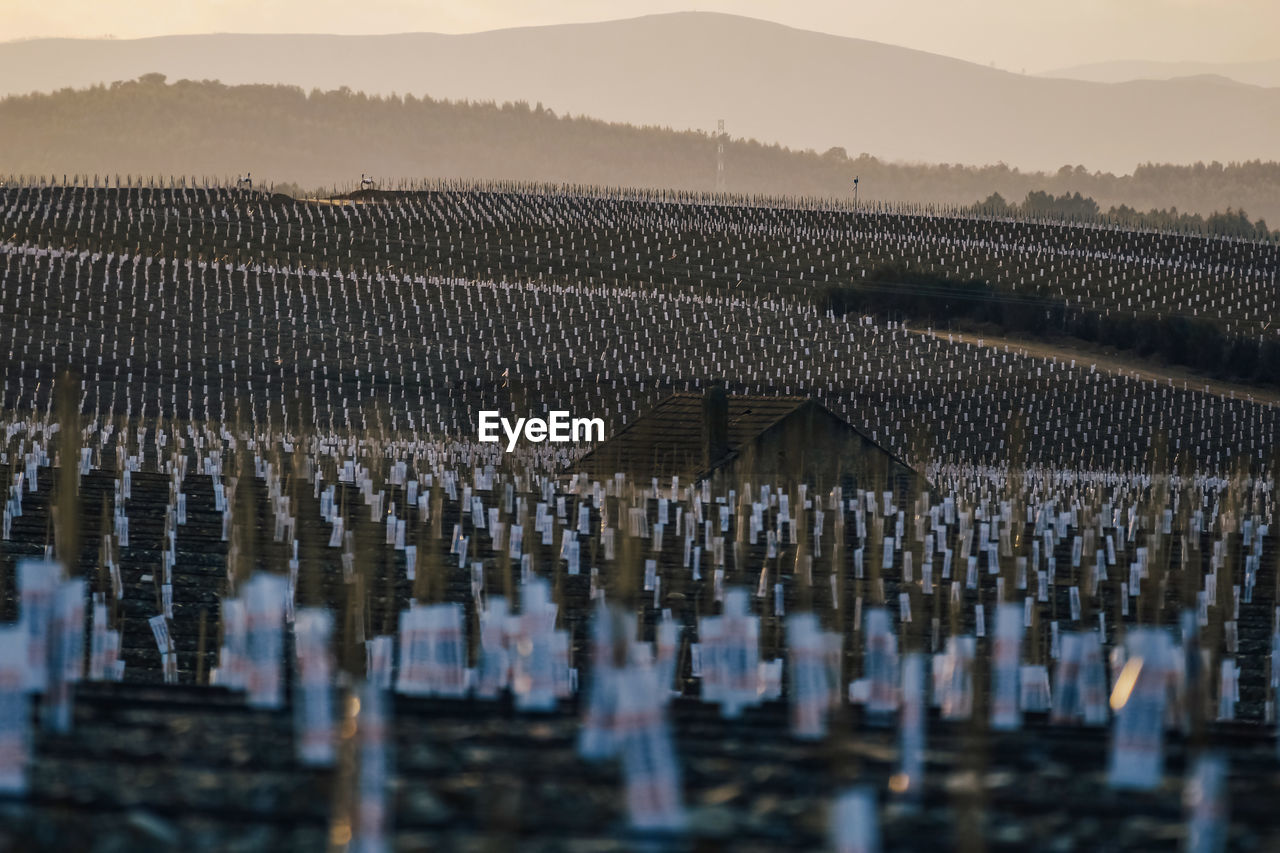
{"x":667,"y":440}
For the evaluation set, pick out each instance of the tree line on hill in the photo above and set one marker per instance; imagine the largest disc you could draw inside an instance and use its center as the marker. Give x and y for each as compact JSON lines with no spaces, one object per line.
{"x":1075,"y":207}
{"x":324,"y":140}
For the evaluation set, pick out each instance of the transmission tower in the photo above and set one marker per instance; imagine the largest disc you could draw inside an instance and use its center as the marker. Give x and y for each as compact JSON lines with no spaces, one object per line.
{"x":719,"y":155}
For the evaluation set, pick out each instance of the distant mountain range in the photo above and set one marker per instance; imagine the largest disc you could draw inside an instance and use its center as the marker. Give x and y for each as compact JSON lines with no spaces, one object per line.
{"x":769,"y":82}
{"x":1265,"y":74}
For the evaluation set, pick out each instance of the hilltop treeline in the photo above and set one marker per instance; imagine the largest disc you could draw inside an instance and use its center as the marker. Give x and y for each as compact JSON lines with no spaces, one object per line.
{"x":895,"y":291}
{"x":315,"y":140}
{"x":1073,"y":206}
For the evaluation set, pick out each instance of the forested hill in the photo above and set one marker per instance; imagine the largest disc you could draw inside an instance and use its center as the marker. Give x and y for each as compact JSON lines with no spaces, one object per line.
{"x":328,"y":139}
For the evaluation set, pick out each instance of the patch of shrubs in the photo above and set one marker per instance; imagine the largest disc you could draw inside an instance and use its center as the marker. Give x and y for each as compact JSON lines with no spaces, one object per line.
{"x":894,"y":291}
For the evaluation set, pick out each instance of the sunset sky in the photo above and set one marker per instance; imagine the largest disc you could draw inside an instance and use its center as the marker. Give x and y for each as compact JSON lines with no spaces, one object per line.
{"x":1035,"y":35}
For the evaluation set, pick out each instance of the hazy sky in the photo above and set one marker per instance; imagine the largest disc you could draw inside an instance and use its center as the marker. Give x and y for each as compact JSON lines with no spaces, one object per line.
{"x":1036,"y":35}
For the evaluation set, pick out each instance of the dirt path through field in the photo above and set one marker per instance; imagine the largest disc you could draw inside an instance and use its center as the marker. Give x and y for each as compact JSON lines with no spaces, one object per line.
{"x":1112,"y":364}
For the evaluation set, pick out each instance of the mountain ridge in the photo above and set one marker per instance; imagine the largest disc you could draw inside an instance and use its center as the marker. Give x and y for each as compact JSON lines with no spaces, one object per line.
{"x":770,"y":82}
{"x":1262,"y":73}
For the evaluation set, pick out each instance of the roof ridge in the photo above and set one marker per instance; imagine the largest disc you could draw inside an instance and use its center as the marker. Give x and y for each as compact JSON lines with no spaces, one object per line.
{"x":699,"y":395}
{"x":643,"y":431}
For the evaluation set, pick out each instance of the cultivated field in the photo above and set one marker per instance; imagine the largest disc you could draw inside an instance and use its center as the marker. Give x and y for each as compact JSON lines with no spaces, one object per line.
{"x":246,"y":491}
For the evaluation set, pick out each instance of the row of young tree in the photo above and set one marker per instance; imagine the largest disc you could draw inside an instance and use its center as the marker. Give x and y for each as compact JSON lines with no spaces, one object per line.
{"x":894,"y":291}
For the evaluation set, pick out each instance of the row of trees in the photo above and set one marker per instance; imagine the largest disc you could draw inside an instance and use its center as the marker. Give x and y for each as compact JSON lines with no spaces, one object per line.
{"x":1074,"y":206}
{"x":894,"y":291}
